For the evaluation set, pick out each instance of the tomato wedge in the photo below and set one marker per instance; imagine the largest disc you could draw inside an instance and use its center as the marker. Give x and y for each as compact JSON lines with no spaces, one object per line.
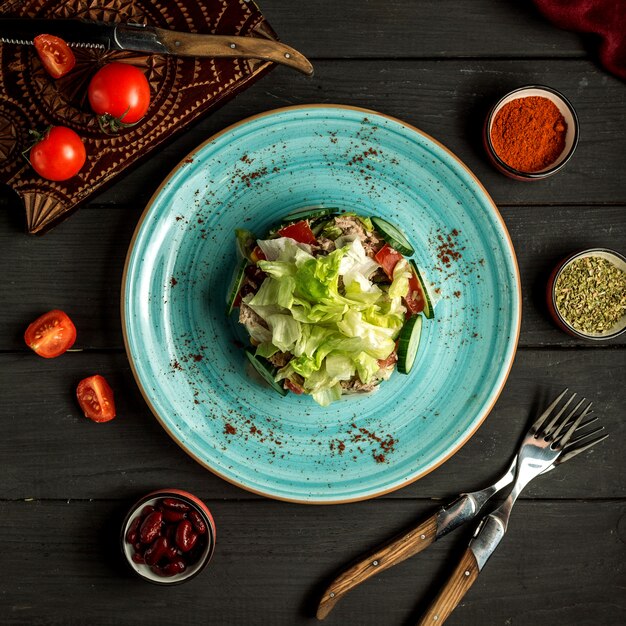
{"x":257,"y":255}
{"x":299,"y":231}
{"x":55,"y":55}
{"x":96,"y":398}
{"x":388,"y":258}
{"x":293,"y":387}
{"x":51,"y":334}
{"x":390,"y":360}
{"x":415,"y":301}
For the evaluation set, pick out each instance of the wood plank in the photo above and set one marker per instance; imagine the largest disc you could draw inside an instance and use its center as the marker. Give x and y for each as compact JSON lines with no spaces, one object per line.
{"x":272,"y":560}
{"x":396,"y":28}
{"x":78,"y":268}
{"x":50,"y":451}
{"x":449,"y":99}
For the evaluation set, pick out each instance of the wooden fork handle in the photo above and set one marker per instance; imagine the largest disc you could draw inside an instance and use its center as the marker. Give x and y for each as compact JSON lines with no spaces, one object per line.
{"x":390,"y":554}
{"x":453,"y":591}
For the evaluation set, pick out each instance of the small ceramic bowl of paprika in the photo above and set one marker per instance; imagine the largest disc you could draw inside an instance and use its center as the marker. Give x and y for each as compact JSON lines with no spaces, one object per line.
{"x":531,"y":133}
{"x":600,"y":292}
{"x":168,"y":537}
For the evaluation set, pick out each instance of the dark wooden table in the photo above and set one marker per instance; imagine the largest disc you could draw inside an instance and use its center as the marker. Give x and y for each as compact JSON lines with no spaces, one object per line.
{"x":66,"y":482}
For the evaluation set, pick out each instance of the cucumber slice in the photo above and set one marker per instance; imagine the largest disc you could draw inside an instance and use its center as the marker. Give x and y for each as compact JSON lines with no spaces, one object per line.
{"x":408,"y":342}
{"x":266,"y":370}
{"x":235,"y":286}
{"x":246,"y":242}
{"x":308,"y":213}
{"x":394,"y":237}
{"x":429,"y":310}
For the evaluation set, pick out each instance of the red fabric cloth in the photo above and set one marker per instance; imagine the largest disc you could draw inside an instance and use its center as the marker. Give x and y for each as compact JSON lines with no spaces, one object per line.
{"x":606,"y":18}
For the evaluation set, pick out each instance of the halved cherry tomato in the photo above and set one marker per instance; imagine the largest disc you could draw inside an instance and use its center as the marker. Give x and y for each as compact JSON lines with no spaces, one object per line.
{"x":300,"y":231}
{"x":415,"y":300}
{"x":59,"y":154}
{"x":388,"y":258}
{"x":96,"y":398}
{"x":55,"y":55}
{"x":51,"y":334}
{"x":121,"y":93}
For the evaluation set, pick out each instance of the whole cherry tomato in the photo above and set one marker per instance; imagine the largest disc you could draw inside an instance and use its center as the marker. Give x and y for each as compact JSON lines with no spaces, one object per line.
{"x":58,"y":154}
{"x":51,"y":334}
{"x":119,"y":94}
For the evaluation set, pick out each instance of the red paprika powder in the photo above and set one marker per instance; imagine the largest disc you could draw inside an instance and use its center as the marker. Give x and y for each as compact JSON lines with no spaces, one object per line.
{"x":528,"y":134}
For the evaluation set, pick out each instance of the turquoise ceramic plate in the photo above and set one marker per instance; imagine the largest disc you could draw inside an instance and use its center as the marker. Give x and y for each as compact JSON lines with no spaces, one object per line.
{"x":188,"y":357}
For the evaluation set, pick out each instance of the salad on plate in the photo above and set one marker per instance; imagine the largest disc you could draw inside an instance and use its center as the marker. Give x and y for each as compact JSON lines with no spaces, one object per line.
{"x":331,"y":302}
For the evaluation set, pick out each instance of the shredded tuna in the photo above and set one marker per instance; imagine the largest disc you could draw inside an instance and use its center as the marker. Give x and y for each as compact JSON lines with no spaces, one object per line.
{"x":355,"y":385}
{"x":248,"y":317}
{"x":325,"y":245}
{"x":280,"y":359}
{"x":351,"y":225}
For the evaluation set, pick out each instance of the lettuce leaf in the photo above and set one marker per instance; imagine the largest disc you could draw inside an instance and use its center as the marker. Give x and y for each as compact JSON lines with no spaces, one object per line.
{"x":328,"y":313}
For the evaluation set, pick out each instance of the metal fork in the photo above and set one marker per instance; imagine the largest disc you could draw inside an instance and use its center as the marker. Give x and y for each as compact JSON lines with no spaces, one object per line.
{"x":461,"y":511}
{"x":548,"y":441}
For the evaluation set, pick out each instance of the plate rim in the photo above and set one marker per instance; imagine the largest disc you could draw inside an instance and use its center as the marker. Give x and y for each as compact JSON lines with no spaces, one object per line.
{"x":269,"y":113}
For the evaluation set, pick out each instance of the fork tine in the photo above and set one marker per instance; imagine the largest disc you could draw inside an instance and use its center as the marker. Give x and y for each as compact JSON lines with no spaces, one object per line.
{"x":544,"y":416}
{"x":566,"y":456}
{"x":563,"y":439}
{"x":566,"y":420}
{"x":589,"y":421}
{"x":581,"y":437}
{"x":547,"y":430}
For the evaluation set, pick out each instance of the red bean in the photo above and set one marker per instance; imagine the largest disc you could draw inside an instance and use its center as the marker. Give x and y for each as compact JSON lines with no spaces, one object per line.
{"x":171,"y":553}
{"x":175,"y":505}
{"x":146,"y":510}
{"x":185,"y":536}
{"x":131,"y":535}
{"x":156,"y":551}
{"x":175,"y":567}
{"x":170,"y":515}
{"x":151,"y":527}
{"x":198,"y":522}
{"x":137,"y":558}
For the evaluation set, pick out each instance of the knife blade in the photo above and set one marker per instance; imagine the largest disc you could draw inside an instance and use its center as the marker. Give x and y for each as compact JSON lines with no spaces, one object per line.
{"x":81,"y":33}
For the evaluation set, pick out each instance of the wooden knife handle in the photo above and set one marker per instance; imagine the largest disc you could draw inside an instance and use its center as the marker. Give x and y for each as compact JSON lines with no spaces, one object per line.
{"x":191,"y":44}
{"x":390,"y":554}
{"x":453,"y":591}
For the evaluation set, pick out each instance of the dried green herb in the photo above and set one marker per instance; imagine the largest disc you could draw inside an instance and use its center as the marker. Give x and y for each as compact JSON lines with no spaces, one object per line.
{"x":591,"y":294}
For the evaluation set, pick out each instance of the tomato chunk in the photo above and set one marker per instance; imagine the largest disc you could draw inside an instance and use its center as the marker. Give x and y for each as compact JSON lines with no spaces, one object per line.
{"x":55,"y":55}
{"x":388,"y":258}
{"x":51,"y":334}
{"x":257,"y":255}
{"x":389,"y":361}
{"x":414,"y":299}
{"x":300,"y":232}
{"x":96,"y":398}
{"x":293,"y":387}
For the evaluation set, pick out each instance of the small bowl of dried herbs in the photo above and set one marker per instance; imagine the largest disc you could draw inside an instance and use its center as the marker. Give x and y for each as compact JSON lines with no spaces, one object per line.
{"x":587,"y":294}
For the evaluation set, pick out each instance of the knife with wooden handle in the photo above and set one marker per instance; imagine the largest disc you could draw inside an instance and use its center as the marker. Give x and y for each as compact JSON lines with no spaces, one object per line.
{"x":143,"y":38}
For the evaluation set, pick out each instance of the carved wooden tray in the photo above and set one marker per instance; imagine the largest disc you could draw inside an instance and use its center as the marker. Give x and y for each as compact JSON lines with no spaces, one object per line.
{"x":183,"y":89}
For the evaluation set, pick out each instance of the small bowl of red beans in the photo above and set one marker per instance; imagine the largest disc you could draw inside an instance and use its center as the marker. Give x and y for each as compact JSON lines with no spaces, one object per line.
{"x":168,"y":537}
